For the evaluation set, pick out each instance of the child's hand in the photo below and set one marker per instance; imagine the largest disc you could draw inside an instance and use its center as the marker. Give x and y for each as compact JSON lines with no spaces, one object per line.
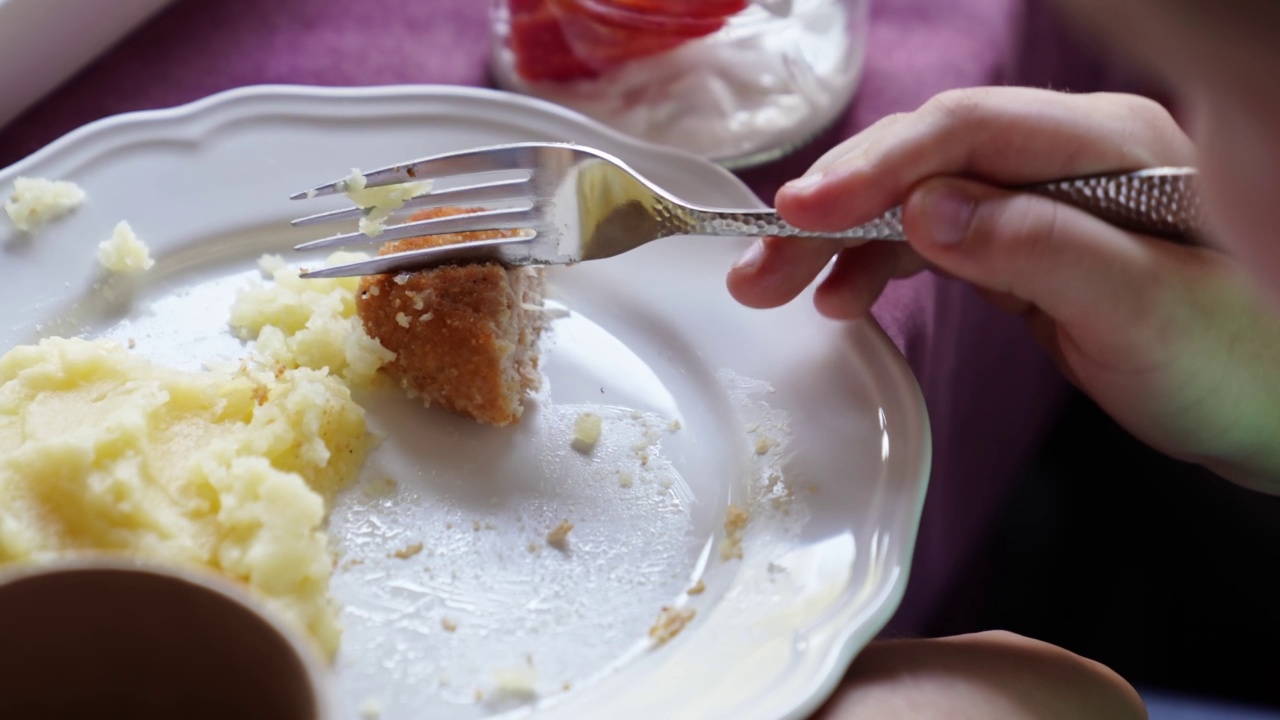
{"x":1172,"y":341}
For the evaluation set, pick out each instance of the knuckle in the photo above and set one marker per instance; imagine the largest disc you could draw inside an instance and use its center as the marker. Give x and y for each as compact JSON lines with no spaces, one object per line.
{"x":1147,"y":112}
{"x":1147,"y":132}
{"x":955,"y":107}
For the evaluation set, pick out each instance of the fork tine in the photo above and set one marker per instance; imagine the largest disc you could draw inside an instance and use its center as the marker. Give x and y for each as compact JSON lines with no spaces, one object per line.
{"x":462,"y":195}
{"x":517,"y":156}
{"x":421,"y":259}
{"x":517,"y":218}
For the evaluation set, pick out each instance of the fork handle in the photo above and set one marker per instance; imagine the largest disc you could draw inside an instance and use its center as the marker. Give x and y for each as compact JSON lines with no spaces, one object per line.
{"x":1163,"y":202}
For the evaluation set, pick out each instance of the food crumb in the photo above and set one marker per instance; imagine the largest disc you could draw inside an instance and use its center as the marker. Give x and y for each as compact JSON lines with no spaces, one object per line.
{"x":586,"y":432}
{"x":675,"y":425}
{"x":558,"y":538}
{"x":669,"y":624}
{"x":764,"y":444}
{"x":132,"y":343}
{"x":479,"y":695}
{"x":352,"y":563}
{"x":698,"y":588}
{"x":624,"y":479}
{"x":260,"y":393}
{"x":407,"y":552}
{"x":370,"y":709}
{"x":383,"y":487}
{"x":533,"y":547}
{"x":566,"y":686}
{"x":735,"y":520}
{"x":448,"y":624}
{"x":402,"y":320}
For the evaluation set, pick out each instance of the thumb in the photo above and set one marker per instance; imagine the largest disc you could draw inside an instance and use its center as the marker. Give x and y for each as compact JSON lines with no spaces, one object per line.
{"x":1073,"y":266}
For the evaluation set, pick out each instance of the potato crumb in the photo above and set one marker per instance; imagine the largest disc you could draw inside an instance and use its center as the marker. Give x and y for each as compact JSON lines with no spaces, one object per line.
{"x":407,"y":552}
{"x":36,"y":201}
{"x":380,"y":202}
{"x":675,"y":425}
{"x":124,"y":252}
{"x":735,"y":521}
{"x":625,"y":479}
{"x":402,"y":320}
{"x":586,"y":432}
{"x":764,"y":444}
{"x":698,"y":588}
{"x":516,"y":681}
{"x":669,"y":624}
{"x":370,"y":709}
{"x":558,"y":538}
{"x":448,"y":624}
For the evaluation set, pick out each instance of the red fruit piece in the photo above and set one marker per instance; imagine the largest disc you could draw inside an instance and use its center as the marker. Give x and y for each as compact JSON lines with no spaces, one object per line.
{"x":542,"y":52}
{"x":562,"y":40}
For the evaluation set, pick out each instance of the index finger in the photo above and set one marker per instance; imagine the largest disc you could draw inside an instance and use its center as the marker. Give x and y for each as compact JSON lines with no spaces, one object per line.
{"x":999,"y":135}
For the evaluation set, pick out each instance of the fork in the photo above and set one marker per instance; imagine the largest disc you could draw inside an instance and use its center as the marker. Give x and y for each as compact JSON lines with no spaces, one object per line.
{"x":570,"y":203}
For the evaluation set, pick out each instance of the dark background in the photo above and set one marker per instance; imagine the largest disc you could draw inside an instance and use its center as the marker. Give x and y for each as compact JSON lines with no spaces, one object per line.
{"x":1156,"y":568}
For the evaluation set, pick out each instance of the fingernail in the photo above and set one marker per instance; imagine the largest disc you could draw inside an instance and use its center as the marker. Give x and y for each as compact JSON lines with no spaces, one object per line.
{"x":805,"y":183}
{"x":949,"y":213}
{"x":750,"y":259}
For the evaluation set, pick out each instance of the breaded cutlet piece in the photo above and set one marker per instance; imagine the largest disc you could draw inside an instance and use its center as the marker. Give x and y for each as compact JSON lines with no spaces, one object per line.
{"x":465,"y":336}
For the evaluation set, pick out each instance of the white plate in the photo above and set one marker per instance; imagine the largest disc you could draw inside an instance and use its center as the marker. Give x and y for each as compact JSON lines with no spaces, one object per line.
{"x":652,"y":334}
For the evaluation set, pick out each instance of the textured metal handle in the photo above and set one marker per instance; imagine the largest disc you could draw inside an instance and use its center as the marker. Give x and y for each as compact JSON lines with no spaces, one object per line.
{"x":1158,"y":201}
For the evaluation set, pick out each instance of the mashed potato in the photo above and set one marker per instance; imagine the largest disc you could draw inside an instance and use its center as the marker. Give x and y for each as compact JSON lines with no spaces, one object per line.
{"x":36,"y":201}
{"x":103,"y":450}
{"x":124,"y":252}
{"x":308,"y":323}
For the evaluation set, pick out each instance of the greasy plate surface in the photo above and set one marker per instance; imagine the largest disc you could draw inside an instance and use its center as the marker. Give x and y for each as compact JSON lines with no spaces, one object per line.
{"x":817,"y":428}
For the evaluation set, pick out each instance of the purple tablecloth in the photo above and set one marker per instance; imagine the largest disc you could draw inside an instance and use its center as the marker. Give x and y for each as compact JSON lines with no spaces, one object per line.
{"x":989,"y":390}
